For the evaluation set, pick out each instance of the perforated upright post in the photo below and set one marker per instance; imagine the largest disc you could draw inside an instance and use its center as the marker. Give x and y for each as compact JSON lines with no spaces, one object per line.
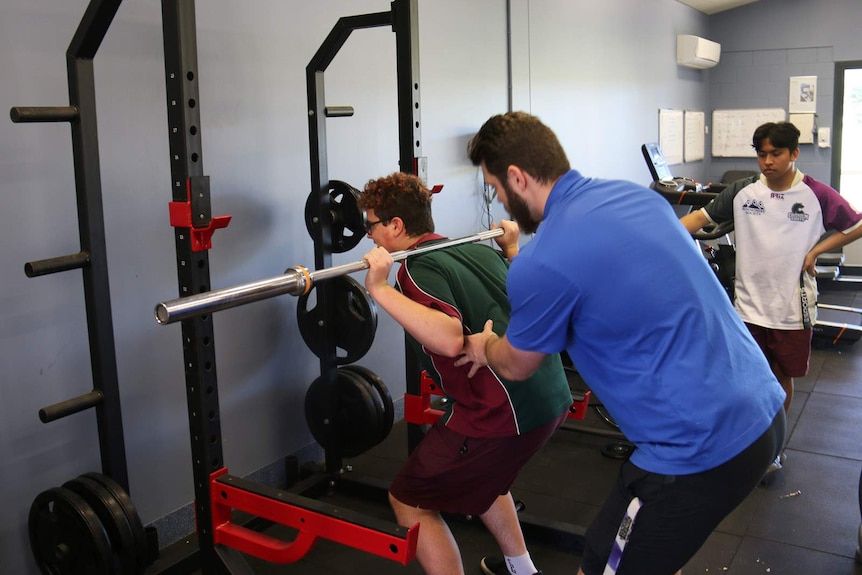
{"x":189,"y":185}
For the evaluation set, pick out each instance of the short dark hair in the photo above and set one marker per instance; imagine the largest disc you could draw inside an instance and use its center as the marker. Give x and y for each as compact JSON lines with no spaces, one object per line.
{"x":400,"y":195}
{"x":520,"y":139}
{"x":779,"y":134}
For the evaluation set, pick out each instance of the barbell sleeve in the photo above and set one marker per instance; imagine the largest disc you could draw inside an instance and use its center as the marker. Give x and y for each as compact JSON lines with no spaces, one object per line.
{"x":294,"y":281}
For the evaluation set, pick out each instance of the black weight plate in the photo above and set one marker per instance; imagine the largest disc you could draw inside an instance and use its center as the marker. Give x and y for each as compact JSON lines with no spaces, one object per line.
{"x":355,"y":320}
{"x":317,"y":415}
{"x":383,"y":395}
{"x":357,"y":415}
{"x":125,"y":502}
{"x":66,"y":536}
{"x":347,"y":226}
{"x":321,"y":423}
{"x":113,"y":519}
{"x":372,"y":425}
{"x":380,"y":408}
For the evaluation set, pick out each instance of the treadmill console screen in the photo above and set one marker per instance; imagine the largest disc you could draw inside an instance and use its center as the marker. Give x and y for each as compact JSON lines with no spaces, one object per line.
{"x":655,"y":162}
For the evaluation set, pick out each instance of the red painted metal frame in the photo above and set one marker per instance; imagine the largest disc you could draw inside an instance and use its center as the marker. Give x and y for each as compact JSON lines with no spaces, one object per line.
{"x":180,"y":214}
{"x":417,"y":408}
{"x":310,"y":524}
{"x":578,"y":409}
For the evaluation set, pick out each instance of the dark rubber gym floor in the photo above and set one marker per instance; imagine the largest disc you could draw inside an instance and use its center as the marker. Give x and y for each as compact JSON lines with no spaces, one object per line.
{"x":805,"y":522}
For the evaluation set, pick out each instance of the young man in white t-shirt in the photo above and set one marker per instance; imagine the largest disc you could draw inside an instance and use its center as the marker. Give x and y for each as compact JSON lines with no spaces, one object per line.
{"x":779,"y":219}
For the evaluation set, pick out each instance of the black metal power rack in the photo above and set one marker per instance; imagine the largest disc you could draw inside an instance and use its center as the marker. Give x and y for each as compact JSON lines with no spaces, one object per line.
{"x":92,"y":259}
{"x":402,"y":18}
{"x":191,"y":216}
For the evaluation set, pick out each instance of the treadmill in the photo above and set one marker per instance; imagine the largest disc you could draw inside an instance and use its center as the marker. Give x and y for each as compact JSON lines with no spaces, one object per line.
{"x":835,"y":324}
{"x":660,"y":171}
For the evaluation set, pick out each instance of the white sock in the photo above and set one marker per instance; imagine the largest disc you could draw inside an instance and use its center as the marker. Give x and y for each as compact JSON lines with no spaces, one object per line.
{"x":521,"y":565}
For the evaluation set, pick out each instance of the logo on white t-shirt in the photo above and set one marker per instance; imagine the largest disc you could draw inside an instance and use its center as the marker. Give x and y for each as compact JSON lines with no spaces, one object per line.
{"x":753,"y":207}
{"x":797,"y":213}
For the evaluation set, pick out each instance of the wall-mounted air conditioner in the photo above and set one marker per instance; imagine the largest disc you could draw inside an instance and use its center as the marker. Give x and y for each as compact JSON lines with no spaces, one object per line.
{"x":697,"y":52}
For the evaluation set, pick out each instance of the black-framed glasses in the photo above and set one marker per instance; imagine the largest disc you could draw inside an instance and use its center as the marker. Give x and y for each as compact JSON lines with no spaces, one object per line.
{"x":369,"y":226}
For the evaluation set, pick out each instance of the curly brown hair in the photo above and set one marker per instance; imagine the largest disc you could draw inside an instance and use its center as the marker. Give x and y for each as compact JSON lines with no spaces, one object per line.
{"x":400,"y":195}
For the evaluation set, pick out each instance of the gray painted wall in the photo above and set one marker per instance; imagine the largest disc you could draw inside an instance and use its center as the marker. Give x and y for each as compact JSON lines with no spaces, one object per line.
{"x":598,"y":79}
{"x":252,"y":58}
{"x":599,"y":73}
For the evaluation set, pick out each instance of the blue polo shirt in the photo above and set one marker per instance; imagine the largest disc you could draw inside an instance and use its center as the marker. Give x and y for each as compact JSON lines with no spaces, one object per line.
{"x":613,"y":277}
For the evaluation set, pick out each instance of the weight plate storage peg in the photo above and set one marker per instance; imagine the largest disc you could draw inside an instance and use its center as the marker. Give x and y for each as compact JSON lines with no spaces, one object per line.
{"x":347,"y":222}
{"x":114,"y":520}
{"x":355,"y":320}
{"x":66,"y":535}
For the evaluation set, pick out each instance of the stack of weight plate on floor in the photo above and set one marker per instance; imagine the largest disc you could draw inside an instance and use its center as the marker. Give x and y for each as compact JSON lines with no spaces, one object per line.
{"x":88,"y":526}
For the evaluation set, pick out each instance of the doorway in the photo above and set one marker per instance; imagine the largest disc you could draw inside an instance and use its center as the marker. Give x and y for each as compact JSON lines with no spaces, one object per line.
{"x":846,"y":167}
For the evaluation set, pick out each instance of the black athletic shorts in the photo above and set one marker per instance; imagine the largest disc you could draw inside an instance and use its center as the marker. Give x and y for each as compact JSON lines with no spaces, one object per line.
{"x":679,"y":512}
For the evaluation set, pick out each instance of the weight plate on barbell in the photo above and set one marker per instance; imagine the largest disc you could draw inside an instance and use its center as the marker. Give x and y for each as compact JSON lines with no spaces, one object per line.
{"x":355,"y":320}
{"x":140,"y":535}
{"x":383,"y":396}
{"x":110,"y":513}
{"x":66,"y":535}
{"x":346,"y":220}
{"x":357,"y":419}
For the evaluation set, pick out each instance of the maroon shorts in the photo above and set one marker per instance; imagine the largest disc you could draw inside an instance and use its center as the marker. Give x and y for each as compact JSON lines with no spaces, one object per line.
{"x":789,"y":349}
{"x":452,"y":473}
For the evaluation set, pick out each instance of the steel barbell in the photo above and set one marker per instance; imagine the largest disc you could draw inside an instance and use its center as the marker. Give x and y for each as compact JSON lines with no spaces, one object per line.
{"x":295,"y":281}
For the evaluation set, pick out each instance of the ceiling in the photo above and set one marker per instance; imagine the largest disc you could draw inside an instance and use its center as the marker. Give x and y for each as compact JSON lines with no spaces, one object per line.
{"x":715,"y":6}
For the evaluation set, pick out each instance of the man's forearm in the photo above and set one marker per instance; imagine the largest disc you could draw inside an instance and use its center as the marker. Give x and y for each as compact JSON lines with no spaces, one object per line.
{"x":509,"y":362}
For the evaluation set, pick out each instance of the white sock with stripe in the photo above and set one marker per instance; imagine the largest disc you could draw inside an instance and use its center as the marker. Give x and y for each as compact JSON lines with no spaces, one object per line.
{"x":521,"y":565}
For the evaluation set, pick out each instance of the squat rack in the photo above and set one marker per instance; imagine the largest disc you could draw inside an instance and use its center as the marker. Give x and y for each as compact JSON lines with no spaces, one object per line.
{"x":217,"y":493}
{"x":197,"y":331}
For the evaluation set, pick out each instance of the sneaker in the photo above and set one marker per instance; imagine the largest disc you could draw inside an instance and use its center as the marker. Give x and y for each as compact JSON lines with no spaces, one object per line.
{"x":496,"y":566}
{"x":773,"y":468}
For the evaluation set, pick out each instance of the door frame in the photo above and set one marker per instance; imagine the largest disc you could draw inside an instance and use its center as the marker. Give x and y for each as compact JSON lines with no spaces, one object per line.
{"x":852,"y":252}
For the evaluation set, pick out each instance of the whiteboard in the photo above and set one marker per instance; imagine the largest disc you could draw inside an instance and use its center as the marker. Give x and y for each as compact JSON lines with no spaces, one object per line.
{"x":732,"y":130}
{"x":670,"y":135}
{"x":694,"y":123}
